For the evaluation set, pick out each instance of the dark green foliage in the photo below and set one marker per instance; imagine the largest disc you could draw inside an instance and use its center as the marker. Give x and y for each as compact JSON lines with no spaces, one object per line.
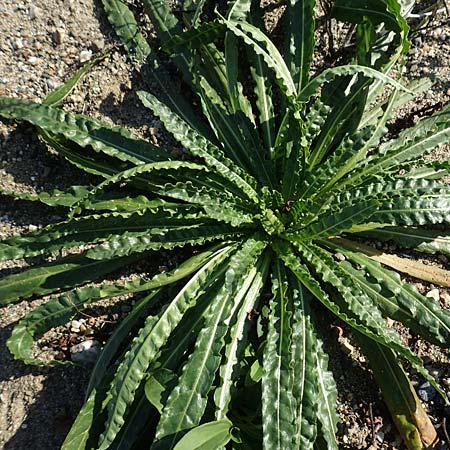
{"x":279,"y":164}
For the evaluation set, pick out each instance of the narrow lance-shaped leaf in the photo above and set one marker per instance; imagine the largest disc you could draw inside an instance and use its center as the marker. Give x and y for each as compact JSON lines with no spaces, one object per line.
{"x":187,"y":268}
{"x":127,"y":28}
{"x":277,"y":380}
{"x":200,"y":147}
{"x":368,"y":323}
{"x":419,"y":239}
{"x":146,"y":345}
{"x":55,"y":97}
{"x":187,"y":402}
{"x":411,"y":267}
{"x":66,"y":273}
{"x":327,"y":399}
{"x":368,"y":317}
{"x":113,"y":141}
{"x":263,"y":46}
{"x":398,"y":300}
{"x":329,"y":75}
{"x":411,"y":144}
{"x":301,"y":36}
{"x":305,"y":387}
{"x":229,"y":370}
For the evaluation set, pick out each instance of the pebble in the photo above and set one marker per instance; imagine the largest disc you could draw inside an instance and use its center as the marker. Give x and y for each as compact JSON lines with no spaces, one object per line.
{"x":33,"y":12}
{"x":86,"y":352}
{"x":32,"y":227}
{"x":380,"y":437}
{"x":434,"y":294}
{"x":445,"y":296}
{"x":426,"y":392}
{"x":59,"y":36}
{"x":52,"y":84}
{"x":98,"y":45}
{"x":18,"y":44}
{"x":75,"y":326}
{"x":85,"y":55}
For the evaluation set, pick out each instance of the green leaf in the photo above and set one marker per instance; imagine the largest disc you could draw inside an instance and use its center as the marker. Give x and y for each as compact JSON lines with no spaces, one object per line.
{"x":187,"y":402}
{"x":53,"y":198}
{"x":375,"y":10}
{"x":99,"y":227}
{"x":399,"y":300}
{"x":411,"y":144}
{"x":305,"y":389}
{"x":187,"y":268}
{"x":327,"y":399}
{"x":369,"y":320}
{"x":414,"y":211}
{"x":104,"y":138}
{"x":239,"y":329}
{"x":200,"y":147}
{"x":209,"y":436}
{"x":262,"y":45}
{"x":87,"y":423}
{"x":301,"y":39}
{"x":277,"y":381}
{"x":331,"y":74}
{"x":127,"y":29}
{"x":59,"y":94}
{"x":194,"y":37}
{"x":163,"y":238}
{"x":155,"y":386}
{"x":65,"y":273}
{"x":419,"y":239}
{"x":146,"y":345}
{"x":329,"y":225}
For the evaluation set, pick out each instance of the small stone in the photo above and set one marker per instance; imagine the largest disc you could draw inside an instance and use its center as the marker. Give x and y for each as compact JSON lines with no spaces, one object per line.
{"x":33,"y":12}
{"x":32,"y":227}
{"x":75,"y":325}
{"x":86,"y":352}
{"x":52,"y":84}
{"x":18,"y":44}
{"x":33,"y":60}
{"x":434,"y":294}
{"x":83,"y":328}
{"x":380,"y":437}
{"x":59,"y":35}
{"x":98,"y":45}
{"x":445,"y":296}
{"x":24,"y":426}
{"x":446,"y":382}
{"x":426,"y":392}
{"x":85,"y":55}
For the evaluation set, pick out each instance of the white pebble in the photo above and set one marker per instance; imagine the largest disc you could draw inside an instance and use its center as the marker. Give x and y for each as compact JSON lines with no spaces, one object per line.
{"x":85,"y":55}
{"x":434,"y":293}
{"x":33,"y":12}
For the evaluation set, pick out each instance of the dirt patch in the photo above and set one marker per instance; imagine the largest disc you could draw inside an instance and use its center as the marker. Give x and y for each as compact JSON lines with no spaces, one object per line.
{"x":41,"y":43}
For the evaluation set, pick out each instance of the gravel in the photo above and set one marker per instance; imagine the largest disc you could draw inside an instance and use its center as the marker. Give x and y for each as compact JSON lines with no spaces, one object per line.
{"x":41,"y":44}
